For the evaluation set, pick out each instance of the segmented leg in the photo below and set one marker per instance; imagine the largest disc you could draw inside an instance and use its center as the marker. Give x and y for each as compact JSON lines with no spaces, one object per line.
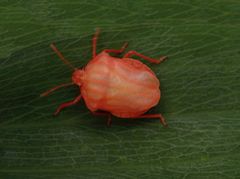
{"x":109,"y":119}
{"x":55,"y":88}
{"x":118,"y":51}
{"x":94,"y":43}
{"x":157,"y":116}
{"x":131,"y":53}
{"x":67,"y":104}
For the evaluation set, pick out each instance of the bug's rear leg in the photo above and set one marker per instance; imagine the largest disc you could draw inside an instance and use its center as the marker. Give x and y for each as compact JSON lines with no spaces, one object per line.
{"x":109,"y":119}
{"x":152,"y":60}
{"x":67,"y":104}
{"x":154,"y":116}
{"x":117,"y":51}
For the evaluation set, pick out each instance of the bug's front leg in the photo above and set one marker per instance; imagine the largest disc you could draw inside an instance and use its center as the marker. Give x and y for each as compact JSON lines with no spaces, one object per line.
{"x":94,"y":43}
{"x":132,"y":52}
{"x":154,"y":116}
{"x":67,"y":104}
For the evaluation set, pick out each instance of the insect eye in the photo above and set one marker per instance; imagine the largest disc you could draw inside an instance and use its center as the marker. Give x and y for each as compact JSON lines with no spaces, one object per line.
{"x":77,"y":77}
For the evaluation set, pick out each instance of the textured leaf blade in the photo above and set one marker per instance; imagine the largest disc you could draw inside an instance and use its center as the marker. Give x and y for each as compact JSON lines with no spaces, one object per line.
{"x":199,"y":83}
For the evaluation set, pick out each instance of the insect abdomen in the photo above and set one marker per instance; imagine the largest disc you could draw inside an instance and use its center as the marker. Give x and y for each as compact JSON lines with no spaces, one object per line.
{"x":131,"y":91}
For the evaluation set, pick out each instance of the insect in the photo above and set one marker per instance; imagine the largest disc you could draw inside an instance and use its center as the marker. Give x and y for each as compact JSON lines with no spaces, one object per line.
{"x":123,"y":87}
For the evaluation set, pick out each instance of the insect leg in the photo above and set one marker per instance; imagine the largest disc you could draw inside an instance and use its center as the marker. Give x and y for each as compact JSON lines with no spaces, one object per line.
{"x":94,"y":43}
{"x":67,"y":104}
{"x":117,"y":51}
{"x":131,"y":53}
{"x":109,"y":120}
{"x":157,"y":116}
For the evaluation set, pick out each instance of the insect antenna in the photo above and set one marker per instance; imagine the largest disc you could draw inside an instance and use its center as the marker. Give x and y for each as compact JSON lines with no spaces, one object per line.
{"x":55,"y":88}
{"x":60,"y":55}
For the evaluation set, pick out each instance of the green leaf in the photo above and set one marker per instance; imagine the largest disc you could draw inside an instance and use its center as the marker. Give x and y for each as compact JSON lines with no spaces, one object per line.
{"x":199,"y":83}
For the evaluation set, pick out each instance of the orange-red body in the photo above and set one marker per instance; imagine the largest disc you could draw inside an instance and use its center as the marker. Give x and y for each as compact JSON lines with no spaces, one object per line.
{"x":123,"y":87}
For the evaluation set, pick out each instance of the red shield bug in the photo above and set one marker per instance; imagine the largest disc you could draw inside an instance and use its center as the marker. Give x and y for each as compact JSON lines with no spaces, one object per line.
{"x":123,"y":87}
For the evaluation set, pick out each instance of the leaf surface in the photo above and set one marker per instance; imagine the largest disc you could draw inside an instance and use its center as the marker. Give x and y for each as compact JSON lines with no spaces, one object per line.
{"x":199,"y":83}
